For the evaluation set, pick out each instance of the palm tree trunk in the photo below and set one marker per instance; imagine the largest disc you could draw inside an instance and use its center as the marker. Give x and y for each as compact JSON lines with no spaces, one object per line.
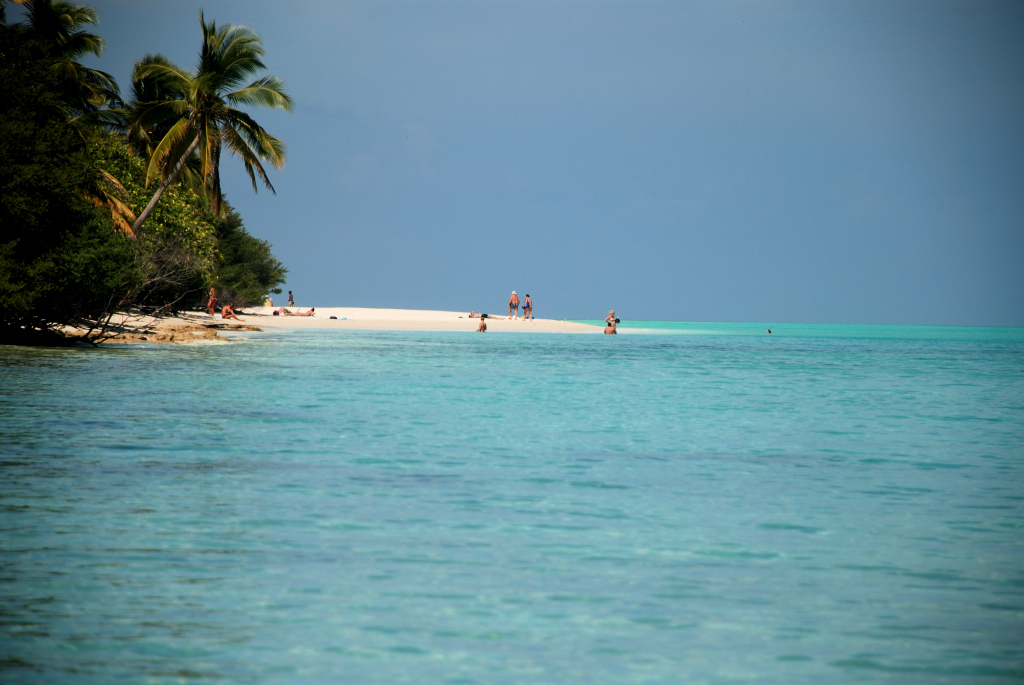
{"x":163,"y":186}
{"x":215,"y":196}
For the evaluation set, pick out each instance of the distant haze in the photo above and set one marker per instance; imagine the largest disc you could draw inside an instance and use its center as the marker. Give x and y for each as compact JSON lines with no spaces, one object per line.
{"x":857,"y":162}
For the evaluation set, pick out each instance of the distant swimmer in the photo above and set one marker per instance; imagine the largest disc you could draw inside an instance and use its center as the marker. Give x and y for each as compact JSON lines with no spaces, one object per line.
{"x":769,"y":331}
{"x":610,"y":329}
{"x":228,"y":312}
{"x":482,"y":328}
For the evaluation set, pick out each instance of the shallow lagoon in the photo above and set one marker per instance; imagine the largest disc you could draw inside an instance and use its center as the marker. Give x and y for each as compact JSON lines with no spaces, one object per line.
{"x":845,"y":505}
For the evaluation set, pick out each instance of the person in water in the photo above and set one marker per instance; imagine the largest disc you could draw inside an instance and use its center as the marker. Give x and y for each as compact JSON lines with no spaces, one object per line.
{"x":482,"y":328}
{"x":212,"y":303}
{"x":228,"y":312}
{"x":610,"y":328}
{"x":527,"y":308}
{"x":611,"y":316}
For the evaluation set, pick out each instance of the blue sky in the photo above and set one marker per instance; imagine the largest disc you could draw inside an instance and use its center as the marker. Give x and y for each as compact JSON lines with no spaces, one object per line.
{"x":849,"y":162}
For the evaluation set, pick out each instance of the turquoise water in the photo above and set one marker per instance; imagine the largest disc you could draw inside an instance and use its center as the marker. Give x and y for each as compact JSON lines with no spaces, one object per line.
{"x":805,"y":330}
{"x":839,"y":505}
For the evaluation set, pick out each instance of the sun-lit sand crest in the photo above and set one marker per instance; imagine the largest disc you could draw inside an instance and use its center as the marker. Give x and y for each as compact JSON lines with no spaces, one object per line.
{"x":407,"y":319}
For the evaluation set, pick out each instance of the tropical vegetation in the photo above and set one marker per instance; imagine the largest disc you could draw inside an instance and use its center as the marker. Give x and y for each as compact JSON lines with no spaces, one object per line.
{"x":109,"y":206}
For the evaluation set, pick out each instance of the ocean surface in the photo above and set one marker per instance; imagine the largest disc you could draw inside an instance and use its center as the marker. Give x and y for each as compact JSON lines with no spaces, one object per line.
{"x":827,"y":504}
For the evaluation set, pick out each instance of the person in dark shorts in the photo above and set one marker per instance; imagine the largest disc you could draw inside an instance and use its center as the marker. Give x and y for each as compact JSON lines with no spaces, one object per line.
{"x":228,"y":312}
{"x":513,"y":305}
{"x":527,"y":308}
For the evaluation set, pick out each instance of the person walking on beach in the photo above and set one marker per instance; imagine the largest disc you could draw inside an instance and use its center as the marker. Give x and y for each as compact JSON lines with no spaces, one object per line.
{"x":212,"y":304}
{"x":513,"y":305}
{"x":527,"y":308}
{"x":291,"y":300}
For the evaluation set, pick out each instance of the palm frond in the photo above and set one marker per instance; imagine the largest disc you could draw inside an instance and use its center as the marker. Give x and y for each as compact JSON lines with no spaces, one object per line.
{"x":103,"y":189}
{"x":263,"y":144}
{"x":238,"y":145}
{"x":264,"y":92}
{"x":163,"y":75}
{"x":178,"y":132}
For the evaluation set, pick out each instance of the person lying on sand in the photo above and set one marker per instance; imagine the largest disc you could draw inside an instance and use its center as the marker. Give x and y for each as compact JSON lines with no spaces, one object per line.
{"x":228,"y":312}
{"x":610,"y":328}
{"x":284,"y":311}
{"x":474,"y":315}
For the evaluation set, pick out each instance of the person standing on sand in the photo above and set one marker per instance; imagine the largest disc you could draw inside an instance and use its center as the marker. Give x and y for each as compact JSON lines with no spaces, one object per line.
{"x":513,"y":305}
{"x":527,"y":308}
{"x":228,"y":312}
{"x":291,"y":300}
{"x":212,"y":304}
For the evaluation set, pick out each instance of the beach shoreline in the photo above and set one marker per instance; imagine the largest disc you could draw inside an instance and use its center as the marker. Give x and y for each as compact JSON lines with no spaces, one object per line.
{"x":365,"y":318}
{"x":197,"y":327}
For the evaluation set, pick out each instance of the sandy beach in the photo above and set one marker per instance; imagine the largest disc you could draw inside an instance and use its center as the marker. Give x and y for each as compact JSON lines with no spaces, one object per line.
{"x":197,"y":326}
{"x":401,"y":319}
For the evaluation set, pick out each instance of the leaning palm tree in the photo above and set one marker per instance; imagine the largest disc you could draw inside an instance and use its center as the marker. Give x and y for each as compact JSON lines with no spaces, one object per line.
{"x":183,"y":113}
{"x":144,"y":136}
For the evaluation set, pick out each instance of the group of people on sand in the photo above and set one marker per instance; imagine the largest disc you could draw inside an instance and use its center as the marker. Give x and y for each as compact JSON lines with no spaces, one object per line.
{"x":513,"y":307}
{"x":513,"y":311}
{"x":284,"y":311}
{"x":227,"y":311}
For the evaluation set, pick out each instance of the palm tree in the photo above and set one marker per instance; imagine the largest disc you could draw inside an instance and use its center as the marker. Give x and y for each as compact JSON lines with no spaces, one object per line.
{"x":58,"y":26}
{"x":90,"y":97}
{"x":178,"y":112}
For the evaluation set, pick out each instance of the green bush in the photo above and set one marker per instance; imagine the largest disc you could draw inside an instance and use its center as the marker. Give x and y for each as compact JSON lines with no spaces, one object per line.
{"x":178,"y":246}
{"x":247,"y":271}
{"x":60,"y":261}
